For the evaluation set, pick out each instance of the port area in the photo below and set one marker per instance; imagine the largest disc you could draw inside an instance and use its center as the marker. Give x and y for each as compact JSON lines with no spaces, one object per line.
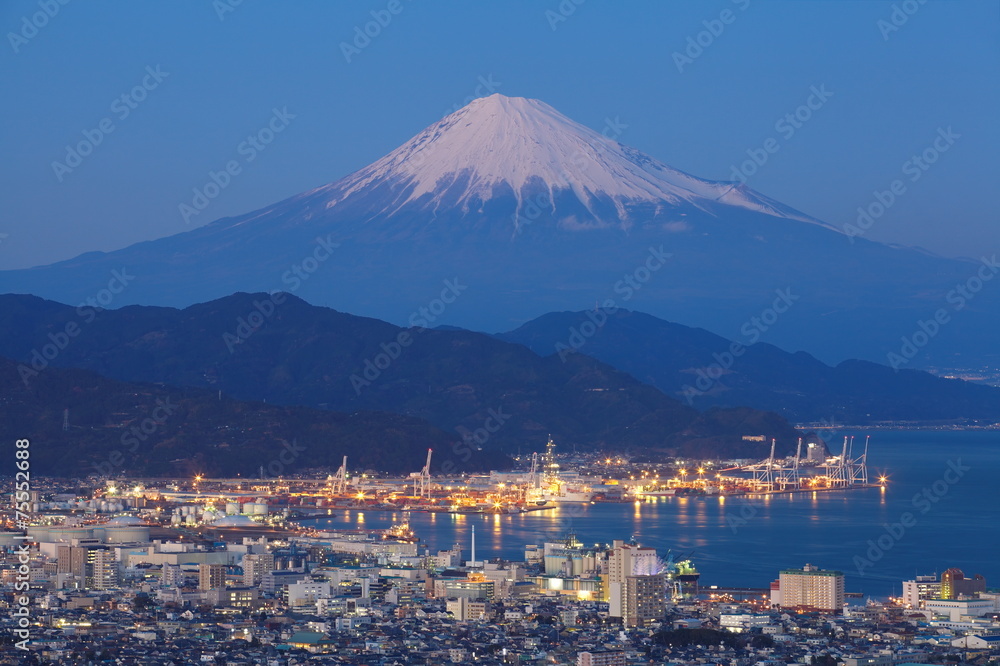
{"x":799,"y":491}
{"x":544,"y":481}
{"x":306,"y":513}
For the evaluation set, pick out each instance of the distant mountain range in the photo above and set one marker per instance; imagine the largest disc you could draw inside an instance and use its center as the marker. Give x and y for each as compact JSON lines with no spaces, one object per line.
{"x":493,"y":395}
{"x":703,"y":369}
{"x":114,"y":427}
{"x":531,"y":213}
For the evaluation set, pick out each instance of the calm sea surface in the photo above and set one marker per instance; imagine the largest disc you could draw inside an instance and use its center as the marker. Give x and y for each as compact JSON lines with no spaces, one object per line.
{"x":746,"y":541}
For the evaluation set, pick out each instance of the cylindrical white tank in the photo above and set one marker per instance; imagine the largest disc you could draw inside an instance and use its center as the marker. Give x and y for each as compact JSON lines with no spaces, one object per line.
{"x":39,"y":532}
{"x":232,"y":508}
{"x":260,"y":509}
{"x":69,"y":533}
{"x":127,"y":534}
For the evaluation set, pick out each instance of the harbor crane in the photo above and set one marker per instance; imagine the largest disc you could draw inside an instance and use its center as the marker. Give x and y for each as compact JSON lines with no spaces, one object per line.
{"x":841,"y":471}
{"x":338,"y":482}
{"x":422,"y":479}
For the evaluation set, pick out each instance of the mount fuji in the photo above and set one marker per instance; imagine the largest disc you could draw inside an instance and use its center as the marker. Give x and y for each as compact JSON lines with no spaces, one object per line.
{"x":513,"y":210}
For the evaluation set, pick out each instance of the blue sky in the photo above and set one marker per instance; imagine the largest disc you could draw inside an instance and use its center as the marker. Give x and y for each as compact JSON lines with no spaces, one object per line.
{"x":896,"y":86}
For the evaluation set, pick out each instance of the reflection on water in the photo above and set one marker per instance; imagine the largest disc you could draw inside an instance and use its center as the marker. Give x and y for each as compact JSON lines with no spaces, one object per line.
{"x":745,"y":541}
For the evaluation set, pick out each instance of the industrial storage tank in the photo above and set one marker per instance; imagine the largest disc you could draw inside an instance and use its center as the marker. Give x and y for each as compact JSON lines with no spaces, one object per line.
{"x":127,"y":534}
{"x":67,"y":534}
{"x":232,"y":508}
{"x":39,"y":532}
{"x":260,"y":509}
{"x":9,"y":539}
{"x":122,"y":521}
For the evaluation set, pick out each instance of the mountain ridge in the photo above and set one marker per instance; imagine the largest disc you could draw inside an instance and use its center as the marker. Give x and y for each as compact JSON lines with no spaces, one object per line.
{"x":310,"y":356}
{"x":91,"y":425}
{"x":545,"y":247}
{"x":704,"y":369}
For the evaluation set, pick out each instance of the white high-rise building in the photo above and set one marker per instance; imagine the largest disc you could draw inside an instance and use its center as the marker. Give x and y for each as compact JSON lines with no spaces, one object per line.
{"x":811,"y":588}
{"x":921,"y":588}
{"x":636,"y":588}
{"x":106,"y":569}
{"x":255,"y":565}
{"x":171,"y":576}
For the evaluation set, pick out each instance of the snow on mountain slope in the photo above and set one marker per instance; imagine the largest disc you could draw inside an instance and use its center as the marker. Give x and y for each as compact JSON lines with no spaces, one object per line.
{"x":512,"y":146}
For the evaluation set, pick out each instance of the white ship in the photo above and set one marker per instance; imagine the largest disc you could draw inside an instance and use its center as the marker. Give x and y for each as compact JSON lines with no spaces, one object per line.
{"x":553,"y":485}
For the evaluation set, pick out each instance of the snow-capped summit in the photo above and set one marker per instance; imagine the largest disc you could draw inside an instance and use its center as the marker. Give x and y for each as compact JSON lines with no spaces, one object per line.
{"x":534,"y":213}
{"x":516,"y":152}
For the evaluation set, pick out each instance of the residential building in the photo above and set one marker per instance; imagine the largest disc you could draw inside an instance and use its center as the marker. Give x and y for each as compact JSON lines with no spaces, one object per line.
{"x":211,"y":576}
{"x":955,"y":609}
{"x":601,"y":658}
{"x":627,"y":560}
{"x":93,"y":566}
{"x":465,"y":609}
{"x":920,"y":589}
{"x":645,"y":600}
{"x":811,"y":588}
{"x":255,"y":565}
{"x":954,"y":584}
